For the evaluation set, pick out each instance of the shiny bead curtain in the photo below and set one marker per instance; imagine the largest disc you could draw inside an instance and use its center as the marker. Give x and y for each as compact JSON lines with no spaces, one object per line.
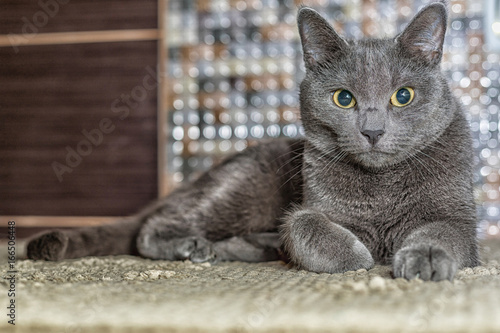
{"x":234,"y":68}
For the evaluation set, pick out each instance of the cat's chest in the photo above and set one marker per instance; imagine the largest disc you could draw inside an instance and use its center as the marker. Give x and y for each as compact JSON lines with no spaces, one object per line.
{"x":379,"y":208}
{"x":361,"y":197}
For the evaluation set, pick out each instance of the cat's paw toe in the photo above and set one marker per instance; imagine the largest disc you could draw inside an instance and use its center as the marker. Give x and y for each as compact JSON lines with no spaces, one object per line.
{"x":362,"y":257}
{"x":50,"y":246}
{"x":196,"y":249}
{"x":425,"y":262}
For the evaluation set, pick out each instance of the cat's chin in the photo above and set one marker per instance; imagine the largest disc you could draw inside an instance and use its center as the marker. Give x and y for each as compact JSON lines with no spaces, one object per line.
{"x":377,"y":159}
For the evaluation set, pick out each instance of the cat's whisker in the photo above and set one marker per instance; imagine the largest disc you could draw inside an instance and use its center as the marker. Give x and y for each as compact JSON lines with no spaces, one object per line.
{"x":409,"y":159}
{"x":332,"y":162}
{"x":408,"y":164}
{"x":293,"y":170}
{"x":287,"y":181}
{"x":438,"y":163}
{"x":299,"y":155}
{"x":339,"y":158}
{"x":422,"y":162}
{"x":443,"y":149}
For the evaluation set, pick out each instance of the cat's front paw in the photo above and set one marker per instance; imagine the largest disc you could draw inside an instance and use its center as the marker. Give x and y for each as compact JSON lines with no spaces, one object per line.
{"x":319,"y":245}
{"x":427,"y":262}
{"x":196,"y":249}
{"x":50,"y":246}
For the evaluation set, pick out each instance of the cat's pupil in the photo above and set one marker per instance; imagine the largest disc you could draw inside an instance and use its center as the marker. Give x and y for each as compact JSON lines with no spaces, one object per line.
{"x":344,"y":98}
{"x":403,"y":96}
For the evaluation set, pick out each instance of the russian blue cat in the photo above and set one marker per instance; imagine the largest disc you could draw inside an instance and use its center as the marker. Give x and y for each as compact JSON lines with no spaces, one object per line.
{"x":383,"y":175}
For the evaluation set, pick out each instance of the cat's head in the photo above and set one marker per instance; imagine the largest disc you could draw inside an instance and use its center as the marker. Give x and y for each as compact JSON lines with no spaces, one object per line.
{"x":377,"y":101}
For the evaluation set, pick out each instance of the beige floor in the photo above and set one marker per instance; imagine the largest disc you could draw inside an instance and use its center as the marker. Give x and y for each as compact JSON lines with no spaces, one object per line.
{"x":129,"y":294}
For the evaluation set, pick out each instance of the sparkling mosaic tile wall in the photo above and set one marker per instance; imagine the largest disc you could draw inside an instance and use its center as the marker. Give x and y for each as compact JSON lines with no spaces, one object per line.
{"x":234,"y":67}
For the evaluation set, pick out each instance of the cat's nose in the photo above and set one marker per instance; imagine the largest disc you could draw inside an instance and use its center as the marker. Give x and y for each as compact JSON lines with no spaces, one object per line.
{"x":373,"y":136}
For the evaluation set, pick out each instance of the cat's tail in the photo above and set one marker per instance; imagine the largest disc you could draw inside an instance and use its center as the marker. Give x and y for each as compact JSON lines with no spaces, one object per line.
{"x":109,"y":239}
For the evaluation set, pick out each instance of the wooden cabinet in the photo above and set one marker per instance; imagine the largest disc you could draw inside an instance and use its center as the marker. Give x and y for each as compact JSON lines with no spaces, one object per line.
{"x":78,"y":107}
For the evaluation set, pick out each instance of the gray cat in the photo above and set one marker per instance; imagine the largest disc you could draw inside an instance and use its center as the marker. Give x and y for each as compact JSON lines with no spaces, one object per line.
{"x":383,"y":175}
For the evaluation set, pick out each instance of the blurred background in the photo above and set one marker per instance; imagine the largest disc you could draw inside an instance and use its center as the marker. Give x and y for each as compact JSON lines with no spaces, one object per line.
{"x":183,"y":83}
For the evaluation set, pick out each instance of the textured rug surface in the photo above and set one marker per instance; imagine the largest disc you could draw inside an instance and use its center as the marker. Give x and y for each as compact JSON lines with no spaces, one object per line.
{"x":130,"y":294}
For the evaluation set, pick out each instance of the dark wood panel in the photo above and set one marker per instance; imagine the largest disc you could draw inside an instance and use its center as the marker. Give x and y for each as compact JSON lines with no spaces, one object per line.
{"x":28,"y":17}
{"x":49,"y":95}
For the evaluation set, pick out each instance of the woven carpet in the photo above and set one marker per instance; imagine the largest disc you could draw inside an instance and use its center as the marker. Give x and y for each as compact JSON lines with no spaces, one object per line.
{"x":130,"y":294}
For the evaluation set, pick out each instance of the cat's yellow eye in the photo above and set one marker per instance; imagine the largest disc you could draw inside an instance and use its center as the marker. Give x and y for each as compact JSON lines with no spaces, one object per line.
{"x":344,"y":99}
{"x":402,"y":97}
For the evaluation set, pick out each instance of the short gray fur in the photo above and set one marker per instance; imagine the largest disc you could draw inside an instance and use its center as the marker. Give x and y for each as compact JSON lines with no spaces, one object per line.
{"x":339,"y":199}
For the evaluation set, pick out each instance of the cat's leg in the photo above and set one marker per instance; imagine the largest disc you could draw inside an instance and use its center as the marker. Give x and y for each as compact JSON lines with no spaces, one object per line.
{"x":168,"y":237}
{"x":110,"y":239}
{"x":215,"y":216}
{"x":48,"y":246}
{"x":255,"y":247}
{"x":194,"y":248}
{"x":245,"y":194}
{"x":435,"y":251}
{"x":317,"y":244}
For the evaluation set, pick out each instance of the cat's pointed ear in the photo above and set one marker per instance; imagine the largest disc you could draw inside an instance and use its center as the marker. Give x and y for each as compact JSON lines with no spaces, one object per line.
{"x":319,"y":40}
{"x":424,"y":36}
